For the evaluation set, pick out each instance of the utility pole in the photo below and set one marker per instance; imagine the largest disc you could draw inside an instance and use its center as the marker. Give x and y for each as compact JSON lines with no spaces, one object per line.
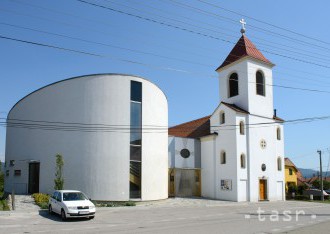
{"x":322,"y":195}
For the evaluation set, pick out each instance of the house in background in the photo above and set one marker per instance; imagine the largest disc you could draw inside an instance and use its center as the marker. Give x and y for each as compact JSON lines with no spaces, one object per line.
{"x":291,"y":174}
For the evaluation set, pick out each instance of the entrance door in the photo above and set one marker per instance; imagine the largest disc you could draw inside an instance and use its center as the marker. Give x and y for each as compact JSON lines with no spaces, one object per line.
{"x":262,"y":190}
{"x":34,"y":170}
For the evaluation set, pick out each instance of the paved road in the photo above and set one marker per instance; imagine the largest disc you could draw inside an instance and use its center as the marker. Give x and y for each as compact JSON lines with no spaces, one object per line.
{"x":192,"y":217}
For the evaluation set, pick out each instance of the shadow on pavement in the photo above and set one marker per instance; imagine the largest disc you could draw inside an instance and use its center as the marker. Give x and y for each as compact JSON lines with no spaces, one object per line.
{"x":57,"y":218}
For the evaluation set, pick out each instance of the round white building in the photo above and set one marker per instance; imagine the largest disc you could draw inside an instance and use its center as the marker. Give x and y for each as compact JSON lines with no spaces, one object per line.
{"x":111,"y":130}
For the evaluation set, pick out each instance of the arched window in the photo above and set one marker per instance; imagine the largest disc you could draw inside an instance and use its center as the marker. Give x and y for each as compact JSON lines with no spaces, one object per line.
{"x":223,"y":157}
{"x":279,"y":164}
{"x":241,"y":128}
{"x":260,"y":84}
{"x":222,"y":117}
{"x":242,"y":161}
{"x":233,"y":85}
{"x":278,"y":133}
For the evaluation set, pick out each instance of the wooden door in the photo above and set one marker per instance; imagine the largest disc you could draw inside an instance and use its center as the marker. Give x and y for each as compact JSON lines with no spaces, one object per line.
{"x":262,"y":190}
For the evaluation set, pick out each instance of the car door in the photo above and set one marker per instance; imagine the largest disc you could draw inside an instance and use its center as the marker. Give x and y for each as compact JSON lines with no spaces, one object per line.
{"x":55,"y":204}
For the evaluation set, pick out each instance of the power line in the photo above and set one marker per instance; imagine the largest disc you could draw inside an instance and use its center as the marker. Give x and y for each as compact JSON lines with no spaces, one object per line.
{"x":92,"y":20}
{"x":233,"y":36}
{"x":102,"y":126}
{"x":195,"y":32}
{"x":252,"y":26}
{"x":104,"y":44}
{"x":70,"y":15}
{"x":142,"y":64}
{"x":267,"y":23}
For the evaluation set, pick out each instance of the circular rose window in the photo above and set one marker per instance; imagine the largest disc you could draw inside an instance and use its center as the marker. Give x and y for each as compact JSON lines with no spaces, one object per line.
{"x":185,"y":153}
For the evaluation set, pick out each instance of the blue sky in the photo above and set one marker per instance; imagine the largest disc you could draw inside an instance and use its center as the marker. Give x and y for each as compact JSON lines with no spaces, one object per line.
{"x":180,"y":62}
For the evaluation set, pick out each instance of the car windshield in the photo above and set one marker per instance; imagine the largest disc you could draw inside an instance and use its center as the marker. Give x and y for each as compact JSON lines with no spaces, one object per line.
{"x":74,"y":196}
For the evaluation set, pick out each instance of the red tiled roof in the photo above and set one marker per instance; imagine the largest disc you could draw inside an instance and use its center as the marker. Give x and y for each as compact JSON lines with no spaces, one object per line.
{"x":288,"y":162}
{"x":235,"y":108}
{"x":244,"y":47}
{"x":193,"y":129}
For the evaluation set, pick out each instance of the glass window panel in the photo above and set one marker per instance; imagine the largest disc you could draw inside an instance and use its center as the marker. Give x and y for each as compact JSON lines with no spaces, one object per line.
{"x":136,"y":122}
{"x":135,"y":153}
{"x":135,"y":180}
{"x":136,"y":91}
{"x":233,"y":85}
{"x":260,"y":82}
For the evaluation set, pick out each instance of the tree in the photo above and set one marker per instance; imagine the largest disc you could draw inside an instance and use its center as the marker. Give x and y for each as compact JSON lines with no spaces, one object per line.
{"x":317,"y":184}
{"x":59,"y":181}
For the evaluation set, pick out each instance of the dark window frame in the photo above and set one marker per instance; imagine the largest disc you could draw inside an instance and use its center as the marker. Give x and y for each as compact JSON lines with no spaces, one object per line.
{"x":260,"y":84}
{"x":233,"y":85}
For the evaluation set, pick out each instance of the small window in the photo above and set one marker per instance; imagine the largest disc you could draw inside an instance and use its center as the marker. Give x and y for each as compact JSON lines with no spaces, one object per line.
{"x":242,"y":161}
{"x":136,"y":91}
{"x":260,"y":83}
{"x":185,"y":153}
{"x":290,"y":171}
{"x":241,"y":128}
{"x":278,"y":133}
{"x":279,"y":164}
{"x":222,"y":117}
{"x":7,"y":172}
{"x":263,"y":144}
{"x":17,"y":172}
{"x":223,"y":158}
{"x":12,"y":163}
{"x":233,"y":85}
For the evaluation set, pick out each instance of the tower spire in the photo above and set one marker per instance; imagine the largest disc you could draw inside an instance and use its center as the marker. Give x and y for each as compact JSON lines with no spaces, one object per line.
{"x":242,"y":21}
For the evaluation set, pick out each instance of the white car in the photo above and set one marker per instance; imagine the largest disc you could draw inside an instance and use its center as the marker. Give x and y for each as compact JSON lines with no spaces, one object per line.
{"x":71,"y":204}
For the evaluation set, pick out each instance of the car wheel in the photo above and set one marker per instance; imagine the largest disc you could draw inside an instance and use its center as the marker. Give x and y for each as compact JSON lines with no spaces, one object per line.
{"x":50,"y":210}
{"x":63,"y":216}
{"x":91,"y":217}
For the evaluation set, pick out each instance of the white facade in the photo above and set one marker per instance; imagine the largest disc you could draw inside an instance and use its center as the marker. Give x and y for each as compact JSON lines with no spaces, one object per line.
{"x":176,"y":145}
{"x":97,"y":161}
{"x":257,"y":145}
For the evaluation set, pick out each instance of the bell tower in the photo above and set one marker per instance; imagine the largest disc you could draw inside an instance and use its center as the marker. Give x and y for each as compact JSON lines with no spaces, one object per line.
{"x":245,"y":78}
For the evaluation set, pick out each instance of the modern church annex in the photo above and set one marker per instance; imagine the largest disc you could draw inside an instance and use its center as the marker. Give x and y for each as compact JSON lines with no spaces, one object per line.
{"x":218,"y":156}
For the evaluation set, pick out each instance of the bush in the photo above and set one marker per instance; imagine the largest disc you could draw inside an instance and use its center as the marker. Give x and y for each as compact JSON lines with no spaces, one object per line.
{"x":113,"y":203}
{"x":301,"y":197}
{"x":41,"y":200}
{"x":4,"y":205}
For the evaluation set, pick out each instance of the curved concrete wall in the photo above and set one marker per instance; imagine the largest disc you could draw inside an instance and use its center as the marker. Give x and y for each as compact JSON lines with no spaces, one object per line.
{"x":94,"y":162}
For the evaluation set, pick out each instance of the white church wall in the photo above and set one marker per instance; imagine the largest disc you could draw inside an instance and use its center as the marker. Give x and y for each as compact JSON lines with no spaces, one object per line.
{"x":280,"y":176}
{"x":94,"y":162}
{"x":225,"y":142}
{"x":208,"y":167}
{"x":189,"y":144}
{"x":260,"y":105}
{"x":241,"y":150}
{"x":171,"y":152}
{"x":241,"y":100}
{"x":259,"y":156}
{"x":154,"y":144}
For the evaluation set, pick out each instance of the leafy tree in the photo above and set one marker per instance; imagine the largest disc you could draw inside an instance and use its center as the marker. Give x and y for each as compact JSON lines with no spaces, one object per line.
{"x":292,"y":188}
{"x":301,"y":189}
{"x":317,"y":184}
{"x":59,"y":181}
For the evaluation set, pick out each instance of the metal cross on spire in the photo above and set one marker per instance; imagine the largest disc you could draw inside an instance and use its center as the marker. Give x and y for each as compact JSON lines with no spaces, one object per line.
{"x":242,"y":21}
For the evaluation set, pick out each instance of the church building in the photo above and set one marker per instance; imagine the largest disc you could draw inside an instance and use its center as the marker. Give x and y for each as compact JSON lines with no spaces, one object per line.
{"x":237,"y":152}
